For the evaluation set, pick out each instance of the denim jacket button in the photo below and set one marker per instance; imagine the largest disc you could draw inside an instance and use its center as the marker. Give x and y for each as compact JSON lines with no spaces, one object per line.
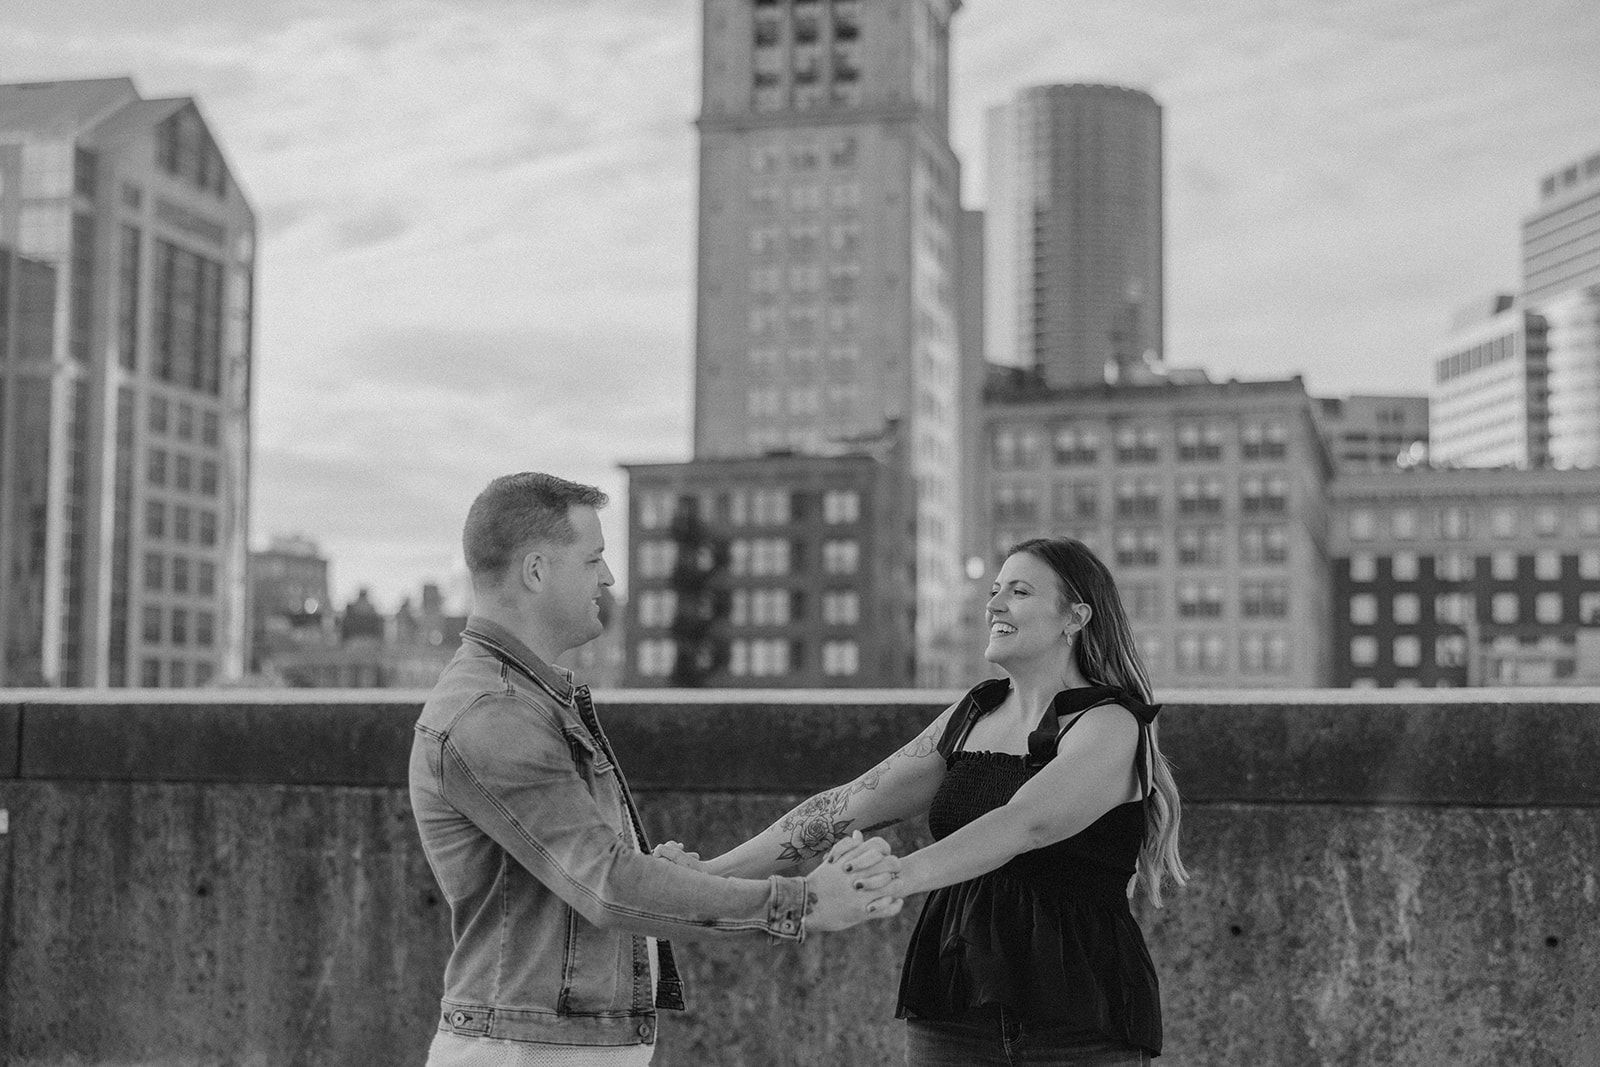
{"x":644,"y":1029}
{"x":458,"y":1018}
{"x":787,"y":926}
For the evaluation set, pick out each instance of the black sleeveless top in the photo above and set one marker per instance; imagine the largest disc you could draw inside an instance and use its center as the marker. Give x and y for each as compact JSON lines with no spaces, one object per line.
{"x":1049,"y":935}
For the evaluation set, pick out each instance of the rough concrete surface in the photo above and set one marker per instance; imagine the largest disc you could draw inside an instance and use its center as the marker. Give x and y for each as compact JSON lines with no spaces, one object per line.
{"x":252,"y":922}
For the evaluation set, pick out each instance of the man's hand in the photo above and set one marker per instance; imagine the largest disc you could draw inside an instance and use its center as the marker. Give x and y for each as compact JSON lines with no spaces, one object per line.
{"x":839,"y":898}
{"x":676,"y":853}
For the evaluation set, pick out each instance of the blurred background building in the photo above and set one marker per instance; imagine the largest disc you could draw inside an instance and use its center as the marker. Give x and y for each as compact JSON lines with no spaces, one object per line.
{"x":827,"y":289}
{"x":129,"y":249}
{"x":1073,"y":241}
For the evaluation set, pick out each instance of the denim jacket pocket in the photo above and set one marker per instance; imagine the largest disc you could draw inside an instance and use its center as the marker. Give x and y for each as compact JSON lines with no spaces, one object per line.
{"x":586,"y":752}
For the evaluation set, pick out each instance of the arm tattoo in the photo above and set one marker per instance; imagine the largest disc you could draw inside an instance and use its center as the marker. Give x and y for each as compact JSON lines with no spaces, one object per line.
{"x":814,"y":826}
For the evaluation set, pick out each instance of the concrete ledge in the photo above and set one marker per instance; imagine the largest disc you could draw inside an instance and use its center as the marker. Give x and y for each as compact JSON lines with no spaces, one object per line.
{"x":1496,"y":748}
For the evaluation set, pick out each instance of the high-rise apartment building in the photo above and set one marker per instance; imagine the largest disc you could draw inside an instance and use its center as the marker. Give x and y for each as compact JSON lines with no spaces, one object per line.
{"x":124,"y":421}
{"x":1466,"y":577}
{"x":828,"y":227}
{"x":1561,"y":237}
{"x":1074,"y":233}
{"x":1489,"y":403}
{"x":1208,"y":501}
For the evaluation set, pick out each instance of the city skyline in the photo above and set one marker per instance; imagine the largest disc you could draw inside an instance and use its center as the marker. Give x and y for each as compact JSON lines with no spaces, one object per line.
{"x":456,"y":195}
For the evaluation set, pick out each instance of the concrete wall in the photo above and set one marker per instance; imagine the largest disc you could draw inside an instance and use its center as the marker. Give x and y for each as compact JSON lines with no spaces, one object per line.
{"x":234,"y":878}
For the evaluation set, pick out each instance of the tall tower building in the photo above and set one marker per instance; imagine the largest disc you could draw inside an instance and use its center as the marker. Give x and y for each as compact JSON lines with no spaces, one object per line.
{"x":125,"y":350}
{"x":1561,"y":237}
{"x":1074,"y":233}
{"x":828,"y":225}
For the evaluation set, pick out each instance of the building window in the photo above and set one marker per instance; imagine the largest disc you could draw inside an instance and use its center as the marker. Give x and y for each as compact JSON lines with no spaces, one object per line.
{"x":769,"y":507}
{"x":1261,"y":653}
{"x":1264,"y":440}
{"x":154,"y":571}
{"x":1589,"y":609}
{"x":1364,"y":609}
{"x":658,"y":607}
{"x":1138,"y":547}
{"x":1503,"y":523}
{"x":658,"y":559}
{"x":1363,"y":524}
{"x":1264,"y":600}
{"x":841,"y":506}
{"x":180,"y":574}
{"x":1503,"y":566}
{"x":1363,"y":567}
{"x":841,"y":607}
{"x":1454,"y":567}
{"x":182,"y":524}
{"x":1260,"y":494}
{"x":1407,"y":650}
{"x":1201,"y":652}
{"x":1200,"y":495}
{"x":1015,"y":447}
{"x":150,"y":673}
{"x":760,"y":658}
{"x":150,"y":632}
{"x":208,"y":477}
{"x":1403,"y":524}
{"x":1546,"y":521}
{"x":1263,"y":544}
{"x":841,"y":556}
{"x":1547,"y":565}
{"x":1076,"y":500}
{"x":1455,"y":524}
{"x":657,"y":656}
{"x":1200,"y":546}
{"x":1075,"y":446}
{"x":155,"y":519}
{"x":1138,"y":444}
{"x":1407,"y":608}
{"x":1139,"y":499}
{"x":156,"y":467}
{"x":1453,"y":609}
{"x":1503,"y":608}
{"x":1363,"y":650}
{"x":179,"y":628}
{"x":1547,"y":607}
{"x":1199,"y":442}
{"x":1450,"y":650}
{"x":1199,"y":600}
{"x":1404,"y":566}
{"x":840,"y":658}
{"x":1589,"y":520}
{"x":205,"y":578}
{"x":205,"y":629}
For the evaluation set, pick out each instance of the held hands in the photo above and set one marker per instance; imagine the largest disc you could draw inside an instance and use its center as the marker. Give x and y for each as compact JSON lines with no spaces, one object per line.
{"x":853,"y":885}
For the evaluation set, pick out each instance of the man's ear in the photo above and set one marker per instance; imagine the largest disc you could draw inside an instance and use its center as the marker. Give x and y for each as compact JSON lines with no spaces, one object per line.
{"x":535,"y":567}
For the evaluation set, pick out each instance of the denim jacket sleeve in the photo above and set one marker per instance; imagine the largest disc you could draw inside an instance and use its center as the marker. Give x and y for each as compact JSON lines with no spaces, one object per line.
{"x":519,"y":784}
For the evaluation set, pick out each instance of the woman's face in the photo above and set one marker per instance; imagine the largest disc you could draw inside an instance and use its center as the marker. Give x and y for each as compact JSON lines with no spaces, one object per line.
{"x":1027,"y":620}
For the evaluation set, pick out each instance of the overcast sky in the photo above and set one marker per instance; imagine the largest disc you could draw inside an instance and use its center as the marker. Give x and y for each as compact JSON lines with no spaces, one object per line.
{"x":477,"y":216}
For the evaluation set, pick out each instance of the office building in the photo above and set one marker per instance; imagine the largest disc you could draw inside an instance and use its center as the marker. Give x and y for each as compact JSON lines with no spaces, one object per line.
{"x":1572,"y":339}
{"x":1074,"y":233}
{"x":126,"y":424}
{"x":1466,"y":577}
{"x":826,"y":289}
{"x":1374,"y":432}
{"x":775,"y":571}
{"x":1208,"y":502}
{"x":1489,"y":402}
{"x":1561,"y":237}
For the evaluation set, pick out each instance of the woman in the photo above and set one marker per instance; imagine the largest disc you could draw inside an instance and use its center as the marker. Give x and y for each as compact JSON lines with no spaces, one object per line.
{"x":1046,"y":795}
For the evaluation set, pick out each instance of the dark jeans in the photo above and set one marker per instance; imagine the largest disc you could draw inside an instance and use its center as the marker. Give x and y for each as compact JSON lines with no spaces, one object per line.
{"x":995,"y":1038}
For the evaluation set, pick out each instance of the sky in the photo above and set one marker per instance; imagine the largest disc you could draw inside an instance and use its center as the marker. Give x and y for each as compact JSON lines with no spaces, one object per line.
{"x":476,"y":217}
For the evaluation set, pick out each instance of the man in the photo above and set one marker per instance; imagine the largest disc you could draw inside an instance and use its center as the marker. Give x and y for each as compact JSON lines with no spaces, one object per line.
{"x":532,"y":833}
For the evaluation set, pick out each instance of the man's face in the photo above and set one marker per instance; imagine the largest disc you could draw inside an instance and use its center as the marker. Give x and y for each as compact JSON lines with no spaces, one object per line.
{"x":575,"y":575}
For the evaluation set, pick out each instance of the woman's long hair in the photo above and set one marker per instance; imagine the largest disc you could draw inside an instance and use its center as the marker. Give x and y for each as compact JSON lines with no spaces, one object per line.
{"x":1105,"y":655}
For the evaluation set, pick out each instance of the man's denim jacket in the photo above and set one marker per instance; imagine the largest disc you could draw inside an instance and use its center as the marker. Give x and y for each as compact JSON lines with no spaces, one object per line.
{"x":521,"y":808}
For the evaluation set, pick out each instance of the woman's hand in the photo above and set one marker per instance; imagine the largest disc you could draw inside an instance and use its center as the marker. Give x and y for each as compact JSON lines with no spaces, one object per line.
{"x":673,"y":851}
{"x":869,"y":863}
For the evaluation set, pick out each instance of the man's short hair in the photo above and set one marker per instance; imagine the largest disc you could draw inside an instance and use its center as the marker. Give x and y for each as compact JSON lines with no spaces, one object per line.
{"x":519,"y":509}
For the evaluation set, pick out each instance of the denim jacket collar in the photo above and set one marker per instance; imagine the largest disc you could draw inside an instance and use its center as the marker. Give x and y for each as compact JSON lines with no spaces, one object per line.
{"x":557,"y":681}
